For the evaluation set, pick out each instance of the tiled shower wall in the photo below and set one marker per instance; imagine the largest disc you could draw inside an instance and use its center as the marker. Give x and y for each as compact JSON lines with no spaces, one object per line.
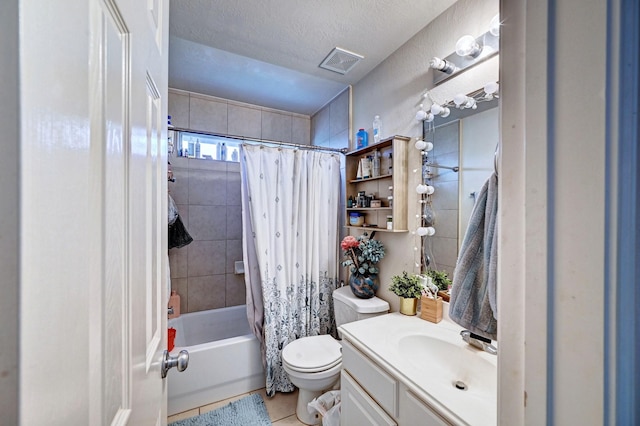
{"x":207,"y":193}
{"x":444,"y":244}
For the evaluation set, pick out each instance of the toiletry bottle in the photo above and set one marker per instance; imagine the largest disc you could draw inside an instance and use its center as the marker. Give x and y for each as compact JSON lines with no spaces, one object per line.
{"x":376,"y":163}
{"x":377,"y":129}
{"x":223,"y":152}
{"x":362,"y":138}
{"x":197,"y":148}
{"x":174,"y":302}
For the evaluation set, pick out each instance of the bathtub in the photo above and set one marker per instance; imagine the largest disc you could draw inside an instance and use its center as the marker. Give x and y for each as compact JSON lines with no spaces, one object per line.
{"x":224,"y":358}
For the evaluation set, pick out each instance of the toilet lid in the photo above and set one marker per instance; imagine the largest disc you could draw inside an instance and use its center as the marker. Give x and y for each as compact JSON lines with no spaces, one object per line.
{"x":313,"y":353}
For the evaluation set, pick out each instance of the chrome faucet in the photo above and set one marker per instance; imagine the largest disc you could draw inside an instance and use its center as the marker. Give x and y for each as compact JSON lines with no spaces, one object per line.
{"x":478,"y":342}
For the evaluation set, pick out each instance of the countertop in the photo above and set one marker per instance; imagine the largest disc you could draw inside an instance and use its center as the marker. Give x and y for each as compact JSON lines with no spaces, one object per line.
{"x":430,"y":358}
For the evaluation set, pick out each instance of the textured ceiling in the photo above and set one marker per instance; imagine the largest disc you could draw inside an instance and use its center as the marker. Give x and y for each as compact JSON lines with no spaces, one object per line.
{"x":267,"y":52}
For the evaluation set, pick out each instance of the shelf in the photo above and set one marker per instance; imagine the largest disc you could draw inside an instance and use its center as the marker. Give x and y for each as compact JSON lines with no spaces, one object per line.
{"x":371,"y":178}
{"x":394,"y":157}
{"x":375,"y":228}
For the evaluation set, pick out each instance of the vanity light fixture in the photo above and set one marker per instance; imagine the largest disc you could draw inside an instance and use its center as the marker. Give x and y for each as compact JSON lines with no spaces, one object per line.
{"x":442,"y":65}
{"x":469,"y":51}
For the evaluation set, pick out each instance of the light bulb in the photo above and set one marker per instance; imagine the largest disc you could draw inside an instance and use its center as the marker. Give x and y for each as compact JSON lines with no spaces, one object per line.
{"x":436,"y":109}
{"x":428,"y":147}
{"x":442,"y":65}
{"x":422,"y":189}
{"x":471,"y":103}
{"x":445,"y":112}
{"x":491,"y":87}
{"x":494,"y":26}
{"x":421,"y":115}
{"x":468,"y":46}
{"x":429,"y":118}
{"x":422,"y":231}
{"x":430,"y":190}
{"x":420,"y":144}
{"x":430,"y":231}
{"x":459,"y":99}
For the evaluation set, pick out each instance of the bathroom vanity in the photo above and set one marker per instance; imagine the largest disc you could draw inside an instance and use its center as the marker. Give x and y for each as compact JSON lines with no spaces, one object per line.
{"x":402,"y":370}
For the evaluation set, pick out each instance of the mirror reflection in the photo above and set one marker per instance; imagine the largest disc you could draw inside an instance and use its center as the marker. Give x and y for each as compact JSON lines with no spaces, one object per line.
{"x":467,"y":139}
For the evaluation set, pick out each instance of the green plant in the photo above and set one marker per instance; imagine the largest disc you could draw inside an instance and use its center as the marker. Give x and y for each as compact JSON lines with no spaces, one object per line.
{"x":407,"y":286}
{"x":440,"y":279}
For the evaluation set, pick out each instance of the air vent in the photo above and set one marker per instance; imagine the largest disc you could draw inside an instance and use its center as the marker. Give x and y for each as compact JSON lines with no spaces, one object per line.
{"x":340,"y":61}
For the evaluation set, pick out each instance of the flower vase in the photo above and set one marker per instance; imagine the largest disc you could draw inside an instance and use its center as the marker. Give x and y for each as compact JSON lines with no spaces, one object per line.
{"x":364,"y":286}
{"x":408,"y":305}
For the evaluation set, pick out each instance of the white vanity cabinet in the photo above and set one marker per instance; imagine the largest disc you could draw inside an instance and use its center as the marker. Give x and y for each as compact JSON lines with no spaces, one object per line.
{"x":371,"y":395}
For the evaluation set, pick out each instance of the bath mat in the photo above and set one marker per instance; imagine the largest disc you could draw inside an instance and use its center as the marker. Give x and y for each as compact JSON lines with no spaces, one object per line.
{"x":248,"y":411}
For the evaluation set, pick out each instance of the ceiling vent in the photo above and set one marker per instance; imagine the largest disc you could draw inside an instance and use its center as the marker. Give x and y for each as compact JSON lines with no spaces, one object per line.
{"x":341,"y":61}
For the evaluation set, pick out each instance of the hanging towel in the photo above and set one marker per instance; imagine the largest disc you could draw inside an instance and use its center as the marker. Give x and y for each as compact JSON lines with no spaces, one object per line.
{"x":473,"y":294}
{"x":178,"y":235}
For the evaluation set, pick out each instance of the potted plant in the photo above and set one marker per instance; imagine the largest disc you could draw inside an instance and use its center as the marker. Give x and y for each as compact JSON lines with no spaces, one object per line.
{"x":440,"y":279}
{"x":361,"y":256}
{"x":409,"y":288}
{"x":430,"y":302}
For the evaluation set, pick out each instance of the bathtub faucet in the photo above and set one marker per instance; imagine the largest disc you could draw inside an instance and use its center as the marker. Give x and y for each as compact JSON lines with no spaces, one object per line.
{"x":478,"y":342}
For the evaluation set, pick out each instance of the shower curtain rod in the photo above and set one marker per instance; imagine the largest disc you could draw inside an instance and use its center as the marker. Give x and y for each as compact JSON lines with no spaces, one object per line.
{"x":454,"y":168}
{"x":245,"y":139}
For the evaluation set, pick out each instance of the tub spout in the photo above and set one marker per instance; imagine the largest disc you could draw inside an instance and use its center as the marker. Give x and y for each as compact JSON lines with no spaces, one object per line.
{"x":478,"y":342}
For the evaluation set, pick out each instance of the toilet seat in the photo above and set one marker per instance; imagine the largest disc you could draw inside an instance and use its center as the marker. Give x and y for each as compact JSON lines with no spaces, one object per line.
{"x":312,"y":354}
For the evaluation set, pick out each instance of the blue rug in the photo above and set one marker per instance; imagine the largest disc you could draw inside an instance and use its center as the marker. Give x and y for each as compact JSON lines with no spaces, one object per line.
{"x":248,"y":411}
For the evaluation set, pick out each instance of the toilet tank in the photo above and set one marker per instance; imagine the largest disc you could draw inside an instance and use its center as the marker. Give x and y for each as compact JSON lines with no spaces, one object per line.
{"x":349,"y":308}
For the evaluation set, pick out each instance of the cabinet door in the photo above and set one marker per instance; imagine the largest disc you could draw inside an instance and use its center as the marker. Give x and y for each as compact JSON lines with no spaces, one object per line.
{"x":357,"y":406}
{"x":415,"y":412}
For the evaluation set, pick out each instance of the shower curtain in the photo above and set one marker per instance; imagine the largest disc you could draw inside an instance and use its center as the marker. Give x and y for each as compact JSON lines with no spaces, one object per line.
{"x":290,"y":244}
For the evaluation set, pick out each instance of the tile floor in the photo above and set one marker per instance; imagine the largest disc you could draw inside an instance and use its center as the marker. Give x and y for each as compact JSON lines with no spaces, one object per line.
{"x":281,"y":408}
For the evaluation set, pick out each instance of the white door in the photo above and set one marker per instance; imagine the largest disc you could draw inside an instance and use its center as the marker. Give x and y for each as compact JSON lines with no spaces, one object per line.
{"x":93,"y":211}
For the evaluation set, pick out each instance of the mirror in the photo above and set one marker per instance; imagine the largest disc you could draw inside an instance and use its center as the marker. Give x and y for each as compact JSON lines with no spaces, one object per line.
{"x":467,"y":139}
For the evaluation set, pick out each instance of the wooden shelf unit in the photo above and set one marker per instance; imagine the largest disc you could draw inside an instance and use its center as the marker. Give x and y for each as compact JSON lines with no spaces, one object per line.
{"x":379,"y":185}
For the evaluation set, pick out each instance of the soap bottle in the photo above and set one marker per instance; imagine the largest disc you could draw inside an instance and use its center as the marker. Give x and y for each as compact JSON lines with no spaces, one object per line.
{"x":197,"y":148}
{"x":174,"y":302}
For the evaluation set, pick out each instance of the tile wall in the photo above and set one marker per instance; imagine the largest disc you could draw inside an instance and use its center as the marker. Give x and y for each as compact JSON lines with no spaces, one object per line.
{"x":444,"y":244}
{"x":207,"y":193}
{"x":209,"y":114}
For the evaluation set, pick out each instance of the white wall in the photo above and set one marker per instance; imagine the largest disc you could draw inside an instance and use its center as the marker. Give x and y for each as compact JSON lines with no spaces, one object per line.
{"x":394,"y":90}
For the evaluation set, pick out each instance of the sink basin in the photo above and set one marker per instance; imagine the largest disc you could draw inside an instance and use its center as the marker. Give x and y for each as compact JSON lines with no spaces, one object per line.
{"x":451,"y":365}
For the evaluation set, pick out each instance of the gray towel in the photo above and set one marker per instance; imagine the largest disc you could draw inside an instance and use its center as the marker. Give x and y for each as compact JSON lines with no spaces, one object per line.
{"x":473,"y":294}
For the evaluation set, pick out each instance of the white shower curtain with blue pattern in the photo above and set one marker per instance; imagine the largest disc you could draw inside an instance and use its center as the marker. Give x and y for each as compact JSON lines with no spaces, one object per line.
{"x":290,"y":213}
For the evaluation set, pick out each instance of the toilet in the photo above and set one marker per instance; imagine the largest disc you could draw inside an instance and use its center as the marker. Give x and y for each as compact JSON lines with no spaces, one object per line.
{"x":314,"y":363}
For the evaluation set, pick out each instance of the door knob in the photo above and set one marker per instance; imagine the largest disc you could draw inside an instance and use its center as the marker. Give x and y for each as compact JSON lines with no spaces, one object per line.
{"x":181,"y":361}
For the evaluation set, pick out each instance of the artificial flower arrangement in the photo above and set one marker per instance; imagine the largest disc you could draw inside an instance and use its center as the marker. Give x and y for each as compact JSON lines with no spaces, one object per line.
{"x":362,"y":254}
